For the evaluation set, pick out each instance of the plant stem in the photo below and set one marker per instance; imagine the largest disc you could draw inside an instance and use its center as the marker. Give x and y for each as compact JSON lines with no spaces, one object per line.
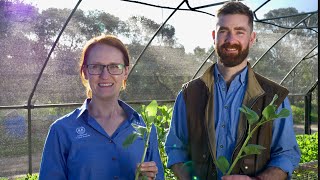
{"x":243,"y":146}
{"x":144,"y":153}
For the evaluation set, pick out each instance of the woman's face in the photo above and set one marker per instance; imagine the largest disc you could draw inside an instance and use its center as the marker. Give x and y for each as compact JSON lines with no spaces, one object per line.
{"x":105,"y":86}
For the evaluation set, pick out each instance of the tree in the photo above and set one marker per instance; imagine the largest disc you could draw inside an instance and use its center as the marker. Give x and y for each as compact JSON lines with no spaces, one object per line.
{"x":142,"y":29}
{"x":288,"y":51}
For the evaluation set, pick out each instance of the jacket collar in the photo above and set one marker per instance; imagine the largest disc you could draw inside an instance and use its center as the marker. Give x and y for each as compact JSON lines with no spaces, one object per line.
{"x":254,"y":89}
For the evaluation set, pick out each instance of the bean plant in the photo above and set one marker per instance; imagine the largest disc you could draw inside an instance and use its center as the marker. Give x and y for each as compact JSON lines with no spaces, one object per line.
{"x":254,"y":121}
{"x":148,"y":114}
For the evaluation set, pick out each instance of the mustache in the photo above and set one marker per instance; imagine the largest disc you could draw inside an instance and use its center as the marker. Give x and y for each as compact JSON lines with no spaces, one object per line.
{"x":231,"y":46}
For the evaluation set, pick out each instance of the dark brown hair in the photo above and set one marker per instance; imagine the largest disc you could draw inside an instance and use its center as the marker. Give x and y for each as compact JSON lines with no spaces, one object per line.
{"x":235,"y":7}
{"x":107,"y":40}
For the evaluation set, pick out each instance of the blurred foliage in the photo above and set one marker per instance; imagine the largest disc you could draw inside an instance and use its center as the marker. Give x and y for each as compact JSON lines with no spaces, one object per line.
{"x":298,"y":114}
{"x":308,"y":146}
{"x":162,"y":123}
{"x":27,"y":34}
{"x":308,"y":168}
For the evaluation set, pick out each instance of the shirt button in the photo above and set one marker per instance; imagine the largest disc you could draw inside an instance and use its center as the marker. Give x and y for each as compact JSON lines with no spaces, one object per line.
{"x":226,"y":107}
{"x":223,"y":126}
{"x":115,"y":177}
{"x":113,"y":158}
{"x":110,"y":141}
{"x":221,"y":146}
{"x":223,"y":89}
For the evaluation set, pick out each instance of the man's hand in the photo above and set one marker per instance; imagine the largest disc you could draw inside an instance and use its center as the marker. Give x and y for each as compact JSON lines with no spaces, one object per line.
{"x":180,"y":171}
{"x":148,"y":169}
{"x":273,"y":173}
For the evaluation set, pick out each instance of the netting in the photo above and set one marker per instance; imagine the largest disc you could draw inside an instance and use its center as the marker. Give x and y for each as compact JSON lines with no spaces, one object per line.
{"x":168,"y":47}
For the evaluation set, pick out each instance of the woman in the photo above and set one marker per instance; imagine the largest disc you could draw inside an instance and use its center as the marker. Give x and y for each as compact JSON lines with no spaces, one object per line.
{"x":87,"y":143}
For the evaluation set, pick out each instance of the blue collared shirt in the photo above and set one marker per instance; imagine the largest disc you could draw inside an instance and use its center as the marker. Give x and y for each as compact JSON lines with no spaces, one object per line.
{"x":77,"y":147}
{"x":285,"y":152}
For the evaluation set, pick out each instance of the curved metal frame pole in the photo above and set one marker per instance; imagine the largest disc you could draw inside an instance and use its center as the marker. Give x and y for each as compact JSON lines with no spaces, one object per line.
{"x":195,"y":74}
{"x":285,"y":77}
{"x":281,"y":39}
{"x":29,"y":105}
{"x":154,"y":35}
{"x":254,"y":12}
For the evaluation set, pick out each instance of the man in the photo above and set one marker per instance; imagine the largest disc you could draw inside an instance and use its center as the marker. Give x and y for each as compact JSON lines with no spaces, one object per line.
{"x":206,"y":121}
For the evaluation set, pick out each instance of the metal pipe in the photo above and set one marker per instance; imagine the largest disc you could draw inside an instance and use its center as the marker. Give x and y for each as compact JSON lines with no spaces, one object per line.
{"x":285,"y":77}
{"x":36,"y":84}
{"x":279,"y":40}
{"x":154,"y":35}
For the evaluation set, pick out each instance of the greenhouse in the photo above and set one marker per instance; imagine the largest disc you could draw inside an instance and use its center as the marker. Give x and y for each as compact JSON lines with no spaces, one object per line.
{"x":169,"y":42}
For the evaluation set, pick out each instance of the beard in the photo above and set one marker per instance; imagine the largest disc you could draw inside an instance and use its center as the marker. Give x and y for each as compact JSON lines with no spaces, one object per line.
{"x":229,"y":59}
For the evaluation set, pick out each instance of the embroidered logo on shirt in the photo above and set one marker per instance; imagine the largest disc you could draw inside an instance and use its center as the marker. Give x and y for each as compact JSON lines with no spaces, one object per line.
{"x":81,"y":131}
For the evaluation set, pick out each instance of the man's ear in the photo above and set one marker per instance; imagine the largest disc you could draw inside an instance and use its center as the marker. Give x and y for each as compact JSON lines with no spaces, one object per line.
{"x":253,"y":38}
{"x":213,"y":35}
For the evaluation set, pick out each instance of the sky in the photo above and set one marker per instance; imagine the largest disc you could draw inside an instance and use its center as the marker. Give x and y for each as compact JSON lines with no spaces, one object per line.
{"x":192,"y":29}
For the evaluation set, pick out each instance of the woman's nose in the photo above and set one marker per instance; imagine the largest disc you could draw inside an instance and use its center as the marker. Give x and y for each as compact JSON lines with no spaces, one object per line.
{"x":105,"y":73}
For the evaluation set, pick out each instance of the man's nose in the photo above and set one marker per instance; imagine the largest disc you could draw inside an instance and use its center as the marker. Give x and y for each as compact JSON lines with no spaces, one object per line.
{"x":231,"y":38}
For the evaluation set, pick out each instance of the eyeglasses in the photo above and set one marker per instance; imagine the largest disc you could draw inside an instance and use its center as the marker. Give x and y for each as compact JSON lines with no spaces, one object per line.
{"x":97,"y":69}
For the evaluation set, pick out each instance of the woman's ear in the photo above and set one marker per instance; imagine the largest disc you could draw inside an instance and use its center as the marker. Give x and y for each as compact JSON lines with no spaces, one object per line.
{"x":126,"y":72}
{"x":85,"y":73}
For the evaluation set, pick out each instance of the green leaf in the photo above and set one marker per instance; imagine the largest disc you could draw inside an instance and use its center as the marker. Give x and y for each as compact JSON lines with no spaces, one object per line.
{"x":251,"y":115}
{"x":253,"y":149}
{"x":283,"y":113}
{"x":140,"y":130}
{"x":144,"y":177}
{"x":151,"y":111}
{"x":269,"y":112}
{"x":223,"y":164}
{"x":130,"y":139}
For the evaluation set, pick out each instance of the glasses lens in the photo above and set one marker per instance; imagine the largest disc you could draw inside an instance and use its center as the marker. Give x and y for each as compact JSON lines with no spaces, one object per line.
{"x":95,"y":69}
{"x":115,"y":69}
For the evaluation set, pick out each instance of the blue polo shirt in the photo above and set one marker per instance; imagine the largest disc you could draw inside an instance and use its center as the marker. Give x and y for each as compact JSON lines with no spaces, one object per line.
{"x":285,"y":152}
{"x":77,"y":147}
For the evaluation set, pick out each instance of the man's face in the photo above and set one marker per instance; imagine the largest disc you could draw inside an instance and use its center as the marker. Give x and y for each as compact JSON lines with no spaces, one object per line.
{"x":233,"y":38}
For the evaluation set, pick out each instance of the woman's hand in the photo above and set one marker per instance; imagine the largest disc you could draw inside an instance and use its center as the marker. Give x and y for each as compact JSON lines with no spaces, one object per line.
{"x":148,"y":169}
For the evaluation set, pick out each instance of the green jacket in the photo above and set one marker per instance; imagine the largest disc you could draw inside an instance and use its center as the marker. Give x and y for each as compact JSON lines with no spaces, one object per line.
{"x":198,"y":95}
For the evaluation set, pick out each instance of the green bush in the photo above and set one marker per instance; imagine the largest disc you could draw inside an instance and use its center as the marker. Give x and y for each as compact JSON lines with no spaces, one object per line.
{"x":162,"y":123}
{"x":309,"y":147}
{"x":30,"y":177}
{"x":298,"y":114}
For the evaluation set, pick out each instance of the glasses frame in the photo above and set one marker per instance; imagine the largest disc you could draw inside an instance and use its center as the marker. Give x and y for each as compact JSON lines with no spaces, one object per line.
{"x":105,"y":66}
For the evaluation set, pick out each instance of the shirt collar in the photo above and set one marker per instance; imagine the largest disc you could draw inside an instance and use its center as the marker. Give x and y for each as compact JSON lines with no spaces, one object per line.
{"x":131,"y":113}
{"x":241,"y":77}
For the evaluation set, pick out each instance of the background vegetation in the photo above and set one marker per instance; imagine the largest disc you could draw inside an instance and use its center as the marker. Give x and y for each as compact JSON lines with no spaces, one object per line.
{"x":27,"y":34}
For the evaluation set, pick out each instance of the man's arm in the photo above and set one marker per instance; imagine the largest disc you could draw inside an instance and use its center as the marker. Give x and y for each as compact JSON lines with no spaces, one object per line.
{"x":177,"y":139}
{"x":285,"y":152}
{"x":272,"y":173}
